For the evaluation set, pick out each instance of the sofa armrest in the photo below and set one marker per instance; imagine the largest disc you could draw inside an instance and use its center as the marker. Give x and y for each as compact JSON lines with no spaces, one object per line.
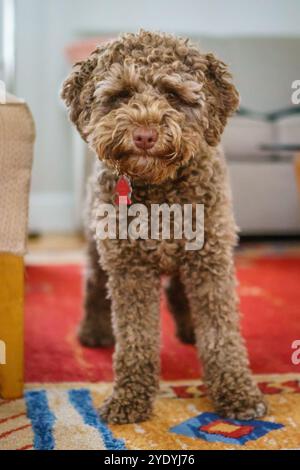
{"x":17,"y":135}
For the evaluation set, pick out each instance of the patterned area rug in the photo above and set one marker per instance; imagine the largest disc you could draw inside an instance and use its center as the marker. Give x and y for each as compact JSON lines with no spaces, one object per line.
{"x":64,"y":417}
{"x":270,"y":303}
{"x":66,"y":383}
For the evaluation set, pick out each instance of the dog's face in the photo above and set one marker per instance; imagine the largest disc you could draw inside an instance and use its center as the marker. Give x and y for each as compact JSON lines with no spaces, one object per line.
{"x":147,"y":103}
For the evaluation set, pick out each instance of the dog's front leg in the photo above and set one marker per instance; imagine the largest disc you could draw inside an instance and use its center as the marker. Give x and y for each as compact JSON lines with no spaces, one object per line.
{"x":210,"y":286}
{"x":135,"y":310}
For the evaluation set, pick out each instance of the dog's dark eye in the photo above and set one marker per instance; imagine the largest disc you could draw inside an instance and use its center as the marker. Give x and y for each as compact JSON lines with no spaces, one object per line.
{"x":118,"y":98}
{"x":172,"y":95}
{"x":122,"y":95}
{"x":173,"y":98}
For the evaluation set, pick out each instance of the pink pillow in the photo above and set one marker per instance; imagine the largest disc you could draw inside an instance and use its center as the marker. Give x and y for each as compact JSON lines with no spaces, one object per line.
{"x":81,"y":49}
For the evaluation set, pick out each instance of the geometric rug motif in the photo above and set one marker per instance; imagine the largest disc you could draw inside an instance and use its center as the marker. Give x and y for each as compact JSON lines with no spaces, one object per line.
{"x":211,"y":428}
{"x":199,"y":390}
{"x":65,"y":416}
{"x":55,"y":419}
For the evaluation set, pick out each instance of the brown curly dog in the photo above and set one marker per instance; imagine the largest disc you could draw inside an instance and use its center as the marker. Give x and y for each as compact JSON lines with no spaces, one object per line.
{"x":154,"y":108}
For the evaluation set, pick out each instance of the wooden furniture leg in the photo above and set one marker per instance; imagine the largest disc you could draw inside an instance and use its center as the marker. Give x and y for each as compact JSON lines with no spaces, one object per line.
{"x":11,"y":325}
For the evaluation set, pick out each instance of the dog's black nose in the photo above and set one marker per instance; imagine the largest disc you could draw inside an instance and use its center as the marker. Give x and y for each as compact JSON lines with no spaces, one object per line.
{"x":144,"y":137}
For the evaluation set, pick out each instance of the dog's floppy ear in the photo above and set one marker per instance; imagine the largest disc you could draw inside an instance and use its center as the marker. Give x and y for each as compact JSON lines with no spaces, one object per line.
{"x":222,"y":98}
{"x":78,"y":91}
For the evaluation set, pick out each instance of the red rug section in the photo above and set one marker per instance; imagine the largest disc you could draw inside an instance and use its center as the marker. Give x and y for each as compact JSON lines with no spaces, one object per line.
{"x":270,"y":302}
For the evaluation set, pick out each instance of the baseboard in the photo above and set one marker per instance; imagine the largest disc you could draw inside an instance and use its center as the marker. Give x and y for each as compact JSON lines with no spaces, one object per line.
{"x":52,"y":212}
{"x":55,"y":212}
{"x":275,"y":237}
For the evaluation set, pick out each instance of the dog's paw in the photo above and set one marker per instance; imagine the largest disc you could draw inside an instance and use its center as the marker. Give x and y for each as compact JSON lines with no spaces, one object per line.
{"x":116,"y":411}
{"x":244,"y":408}
{"x":92,"y":338}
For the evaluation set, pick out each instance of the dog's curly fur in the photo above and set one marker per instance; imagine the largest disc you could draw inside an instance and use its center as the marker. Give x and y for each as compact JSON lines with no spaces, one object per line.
{"x":157,"y":80}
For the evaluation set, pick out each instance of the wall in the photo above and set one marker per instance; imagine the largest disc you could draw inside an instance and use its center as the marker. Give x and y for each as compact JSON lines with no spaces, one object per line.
{"x":1,"y":41}
{"x":45,"y":27}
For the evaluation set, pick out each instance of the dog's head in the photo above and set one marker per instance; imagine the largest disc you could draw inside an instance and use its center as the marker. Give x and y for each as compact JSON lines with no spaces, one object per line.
{"x":146,"y":103}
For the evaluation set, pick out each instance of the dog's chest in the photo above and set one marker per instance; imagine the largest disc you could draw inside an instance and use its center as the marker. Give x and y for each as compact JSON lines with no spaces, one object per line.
{"x":164,"y":254}
{"x":146,"y":239}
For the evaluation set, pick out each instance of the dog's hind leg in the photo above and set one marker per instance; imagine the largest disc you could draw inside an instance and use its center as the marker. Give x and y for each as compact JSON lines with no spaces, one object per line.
{"x":95,"y":329}
{"x":179,"y":307}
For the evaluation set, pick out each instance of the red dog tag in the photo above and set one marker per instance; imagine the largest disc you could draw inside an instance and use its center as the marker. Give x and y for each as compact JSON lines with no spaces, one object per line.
{"x":123,"y":191}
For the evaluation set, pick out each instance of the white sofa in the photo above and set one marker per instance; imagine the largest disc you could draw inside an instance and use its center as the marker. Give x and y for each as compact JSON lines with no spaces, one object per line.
{"x":265,"y":194}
